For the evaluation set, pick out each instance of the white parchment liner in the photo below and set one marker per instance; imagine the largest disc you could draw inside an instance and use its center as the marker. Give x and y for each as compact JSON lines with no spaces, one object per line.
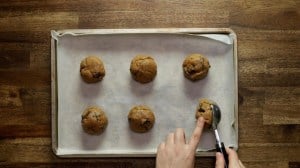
{"x":172,"y":97}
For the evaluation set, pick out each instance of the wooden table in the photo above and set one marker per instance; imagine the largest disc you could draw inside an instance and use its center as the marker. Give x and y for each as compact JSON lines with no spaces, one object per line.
{"x":269,"y":72}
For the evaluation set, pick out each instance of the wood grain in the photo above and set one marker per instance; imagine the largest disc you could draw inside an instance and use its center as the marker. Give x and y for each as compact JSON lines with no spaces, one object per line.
{"x":282,"y":105}
{"x":269,"y":72}
{"x":35,"y":21}
{"x":14,"y":58}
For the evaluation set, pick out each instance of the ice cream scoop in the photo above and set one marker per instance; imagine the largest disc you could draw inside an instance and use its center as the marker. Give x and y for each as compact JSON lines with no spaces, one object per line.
{"x":216,"y":119}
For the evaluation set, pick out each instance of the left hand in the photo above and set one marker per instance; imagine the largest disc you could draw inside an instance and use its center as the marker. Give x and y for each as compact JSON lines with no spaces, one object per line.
{"x":175,"y":152}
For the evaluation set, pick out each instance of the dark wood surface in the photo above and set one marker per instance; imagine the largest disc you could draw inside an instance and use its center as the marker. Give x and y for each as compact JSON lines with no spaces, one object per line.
{"x":269,"y":72}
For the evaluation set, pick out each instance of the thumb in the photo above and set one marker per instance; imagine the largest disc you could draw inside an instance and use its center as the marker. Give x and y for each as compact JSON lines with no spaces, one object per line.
{"x":232,"y":157}
{"x":220,"y":162}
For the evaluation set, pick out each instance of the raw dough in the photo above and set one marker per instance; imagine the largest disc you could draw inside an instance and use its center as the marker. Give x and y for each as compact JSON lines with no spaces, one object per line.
{"x":92,"y":69}
{"x":204,"y":109}
{"x":141,"y":119}
{"x":94,"y":120}
{"x":195,"y":67}
{"x":143,"y":68}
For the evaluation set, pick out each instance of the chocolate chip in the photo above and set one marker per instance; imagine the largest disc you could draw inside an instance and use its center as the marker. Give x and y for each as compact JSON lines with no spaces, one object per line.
{"x":147,"y":124}
{"x":96,"y":74}
{"x":192,"y":71}
{"x":201,"y":110}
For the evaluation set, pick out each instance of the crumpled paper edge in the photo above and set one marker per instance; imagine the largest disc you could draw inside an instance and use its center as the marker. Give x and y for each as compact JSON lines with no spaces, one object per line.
{"x":209,"y":33}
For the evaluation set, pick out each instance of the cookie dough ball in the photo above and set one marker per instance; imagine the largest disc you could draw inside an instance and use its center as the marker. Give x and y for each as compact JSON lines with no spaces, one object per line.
{"x":141,"y":119}
{"x":92,"y":69}
{"x":204,"y":110}
{"x":143,"y":68}
{"x":94,"y":121}
{"x":195,"y":67}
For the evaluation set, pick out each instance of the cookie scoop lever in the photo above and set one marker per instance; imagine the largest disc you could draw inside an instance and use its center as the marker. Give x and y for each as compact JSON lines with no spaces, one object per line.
{"x":216,"y":119}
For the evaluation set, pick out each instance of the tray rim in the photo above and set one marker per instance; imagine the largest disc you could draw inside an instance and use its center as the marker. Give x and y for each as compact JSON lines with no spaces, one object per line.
{"x":80,"y":32}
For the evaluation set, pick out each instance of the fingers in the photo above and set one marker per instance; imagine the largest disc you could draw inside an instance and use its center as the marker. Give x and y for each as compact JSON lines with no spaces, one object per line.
{"x":160,"y":152}
{"x":241,"y":164}
{"x":170,"y":139}
{"x":220,"y":162}
{"x":161,"y":146}
{"x":179,"y":136}
{"x":232,"y":157}
{"x":197,"y":133}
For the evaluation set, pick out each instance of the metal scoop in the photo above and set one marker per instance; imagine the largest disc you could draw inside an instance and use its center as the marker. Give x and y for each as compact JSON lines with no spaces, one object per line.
{"x":216,"y":119}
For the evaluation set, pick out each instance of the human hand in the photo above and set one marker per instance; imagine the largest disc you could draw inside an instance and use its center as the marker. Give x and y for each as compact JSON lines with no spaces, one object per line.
{"x":233,"y":158}
{"x":175,"y":152}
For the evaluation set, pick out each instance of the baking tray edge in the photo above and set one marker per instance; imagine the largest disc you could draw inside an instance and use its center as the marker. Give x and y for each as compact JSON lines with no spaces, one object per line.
{"x":78,"y":32}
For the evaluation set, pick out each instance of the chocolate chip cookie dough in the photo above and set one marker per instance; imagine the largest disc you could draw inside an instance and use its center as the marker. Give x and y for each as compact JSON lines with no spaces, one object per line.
{"x":92,"y":69}
{"x":141,"y":119}
{"x":143,"y":68}
{"x":195,"y":67}
{"x":204,"y":110}
{"x":94,"y":120}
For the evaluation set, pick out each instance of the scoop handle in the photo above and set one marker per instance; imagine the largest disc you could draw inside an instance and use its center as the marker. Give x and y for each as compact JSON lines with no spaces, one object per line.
{"x":221,"y":148}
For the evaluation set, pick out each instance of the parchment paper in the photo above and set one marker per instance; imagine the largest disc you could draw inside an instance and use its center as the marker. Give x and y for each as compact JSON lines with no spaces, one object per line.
{"x":171,"y":96}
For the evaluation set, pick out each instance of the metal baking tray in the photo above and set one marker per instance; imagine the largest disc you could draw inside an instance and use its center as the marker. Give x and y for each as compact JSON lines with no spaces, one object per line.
{"x":172,"y":97}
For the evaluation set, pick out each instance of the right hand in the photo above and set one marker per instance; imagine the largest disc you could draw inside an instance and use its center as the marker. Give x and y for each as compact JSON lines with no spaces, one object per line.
{"x":233,"y":158}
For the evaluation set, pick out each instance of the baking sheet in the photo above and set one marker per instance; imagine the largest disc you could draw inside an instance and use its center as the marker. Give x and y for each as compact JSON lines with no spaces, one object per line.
{"x":172,"y":97}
